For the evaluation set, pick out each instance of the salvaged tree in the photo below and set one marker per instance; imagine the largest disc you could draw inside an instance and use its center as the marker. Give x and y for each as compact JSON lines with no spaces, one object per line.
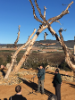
{"x":47,"y":24}
{"x":15,"y":54}
{"x":44,"y":24}
{"x":45,"y":35}
{"x":26,"y":54}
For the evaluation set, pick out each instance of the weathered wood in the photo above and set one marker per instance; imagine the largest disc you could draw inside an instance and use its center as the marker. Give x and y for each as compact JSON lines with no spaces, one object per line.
{"x":46,"y":24}
{"x":74,"y":52}
{"x":41,"y":28}
{"x":15,"y":54}
{"x":15,"y":43}
{"x":60,"y":39}
{"x":28,"y":50}
{"x":45,"y":34}
{"x":45,"y":12}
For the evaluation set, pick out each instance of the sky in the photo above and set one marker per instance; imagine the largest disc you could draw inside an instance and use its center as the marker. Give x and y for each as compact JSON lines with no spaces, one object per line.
{"x":19,"y":12}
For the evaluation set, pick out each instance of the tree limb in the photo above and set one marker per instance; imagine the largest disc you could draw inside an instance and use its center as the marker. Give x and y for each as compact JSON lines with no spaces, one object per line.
{"x":45,"y":12}
{"x":15,"y":54}
{"x":34,"y":13}
{"x":61,"y":15}
{"x":39,"y":10}
{"x":15,"y":43}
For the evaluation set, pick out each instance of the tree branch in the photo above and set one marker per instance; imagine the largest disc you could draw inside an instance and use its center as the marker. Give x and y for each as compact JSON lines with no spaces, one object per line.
{"x":39,"y":10}
{"x":15,"y":54}
{"x":45,"y":12}
{"x":61,"y":15}
{"x":34,"y":13}
{"x":15,"y":43}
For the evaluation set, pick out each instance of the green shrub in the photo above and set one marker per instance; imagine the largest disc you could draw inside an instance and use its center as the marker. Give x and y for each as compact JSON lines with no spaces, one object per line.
{"x":64,"y":66}
{"x":8,"y":59}
{"x":1,"y":61}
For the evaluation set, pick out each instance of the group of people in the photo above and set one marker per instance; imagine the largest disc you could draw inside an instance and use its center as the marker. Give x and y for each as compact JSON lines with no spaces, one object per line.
{"x":56,"y":81}
{"x":41,"y":77}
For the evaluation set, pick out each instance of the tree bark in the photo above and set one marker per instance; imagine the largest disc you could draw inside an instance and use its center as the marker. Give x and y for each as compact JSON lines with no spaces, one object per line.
{"x":26,"y":54}
{"x":15,"y":54}
{"x":15,"y":43}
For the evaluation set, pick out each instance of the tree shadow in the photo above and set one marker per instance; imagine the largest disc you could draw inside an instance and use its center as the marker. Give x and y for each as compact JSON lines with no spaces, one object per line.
{"x":50,"y":72}
{"x":60,"y":74}
{"x":35,"y":86}
{"x":5,"y":99}
{"x":72,"y":85}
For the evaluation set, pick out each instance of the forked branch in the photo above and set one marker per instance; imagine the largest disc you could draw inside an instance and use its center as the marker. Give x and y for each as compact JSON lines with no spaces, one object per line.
{"x":15,"y":54}
{"x":35,"y":13}
{"x":60,"y":39}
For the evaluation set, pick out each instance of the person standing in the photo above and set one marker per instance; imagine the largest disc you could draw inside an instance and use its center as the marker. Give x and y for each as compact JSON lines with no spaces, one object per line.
{"x":57,"y":84}
{"x":41,"y":77}
{"x":18,"y":95}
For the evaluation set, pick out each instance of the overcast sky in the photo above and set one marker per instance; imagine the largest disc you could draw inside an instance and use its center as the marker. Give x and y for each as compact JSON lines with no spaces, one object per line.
{"x":19,"y":12}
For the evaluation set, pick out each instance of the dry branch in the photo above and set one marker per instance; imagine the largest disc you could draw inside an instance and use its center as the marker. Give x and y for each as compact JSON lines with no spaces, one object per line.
{"x":67,"y":58}
{"x":15,"y":54}
{"x":34,"y":13}
{"x":61,"y":15}
{"x":45,"y":12}
{"x":46,"y":24}
{"x":26,"y":54}
{"x":15,"y":43}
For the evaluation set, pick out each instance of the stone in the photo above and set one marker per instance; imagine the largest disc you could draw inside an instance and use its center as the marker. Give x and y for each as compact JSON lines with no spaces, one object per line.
{"x":7,"y":65}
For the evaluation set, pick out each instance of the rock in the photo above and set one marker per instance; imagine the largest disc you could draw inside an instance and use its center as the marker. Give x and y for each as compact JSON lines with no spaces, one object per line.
{"x":7,"y":65}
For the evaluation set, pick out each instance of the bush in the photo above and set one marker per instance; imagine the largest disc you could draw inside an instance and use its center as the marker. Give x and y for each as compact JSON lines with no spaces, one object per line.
{"x":64,"y":66}
{"x":8,"y":59}
{"x":1,"y":61}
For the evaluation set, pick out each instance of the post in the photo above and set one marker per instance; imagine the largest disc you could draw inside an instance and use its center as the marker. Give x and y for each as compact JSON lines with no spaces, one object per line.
{"x":45,"y":34}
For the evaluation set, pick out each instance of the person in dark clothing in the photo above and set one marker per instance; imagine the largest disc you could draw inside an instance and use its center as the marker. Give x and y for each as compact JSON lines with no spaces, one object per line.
{"x":57,"y":84}
{"x":41,"y":77}
{"x":18,"y":95}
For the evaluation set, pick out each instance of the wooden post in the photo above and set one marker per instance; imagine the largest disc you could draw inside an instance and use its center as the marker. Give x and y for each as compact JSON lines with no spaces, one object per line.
{"x":45,"y":34}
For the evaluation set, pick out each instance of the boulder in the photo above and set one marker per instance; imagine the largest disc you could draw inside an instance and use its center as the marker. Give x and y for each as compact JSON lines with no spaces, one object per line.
{"x":7,"y":65}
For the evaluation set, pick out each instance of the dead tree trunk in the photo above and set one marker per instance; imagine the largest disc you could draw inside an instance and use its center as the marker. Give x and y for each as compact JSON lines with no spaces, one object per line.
{"x":15,"y":54}
{"x":26,"y":54}
{"x":60,"y":39}
{"x":41,"y":28}
{"x":44,"y":25}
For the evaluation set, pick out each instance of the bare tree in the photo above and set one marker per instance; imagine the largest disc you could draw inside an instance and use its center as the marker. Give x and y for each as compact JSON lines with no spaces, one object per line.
{"x":15,"y":54}
{"x":47,"y":24}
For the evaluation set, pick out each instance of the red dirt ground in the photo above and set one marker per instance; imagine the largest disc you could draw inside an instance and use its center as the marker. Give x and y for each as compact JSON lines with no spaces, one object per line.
{"x":67,"y":89}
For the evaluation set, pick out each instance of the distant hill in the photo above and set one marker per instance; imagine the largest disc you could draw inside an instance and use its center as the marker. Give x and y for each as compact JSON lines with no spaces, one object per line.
{"x":69,"y":43}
